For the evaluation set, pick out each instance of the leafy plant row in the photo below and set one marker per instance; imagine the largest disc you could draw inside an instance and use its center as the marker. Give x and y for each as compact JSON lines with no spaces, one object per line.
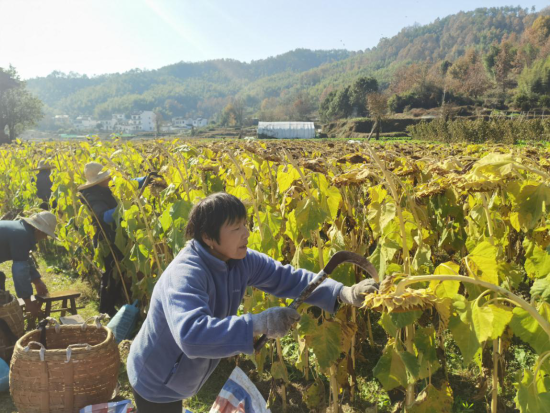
{"x":494,"y":129}
{"x":459,"y":235}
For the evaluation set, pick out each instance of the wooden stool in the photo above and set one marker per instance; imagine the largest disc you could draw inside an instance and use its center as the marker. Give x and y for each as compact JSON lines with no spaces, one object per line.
{"x":68,"y":296}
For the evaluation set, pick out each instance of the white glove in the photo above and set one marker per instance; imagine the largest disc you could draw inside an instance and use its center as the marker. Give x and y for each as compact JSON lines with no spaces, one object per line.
{"x":355,"y":295}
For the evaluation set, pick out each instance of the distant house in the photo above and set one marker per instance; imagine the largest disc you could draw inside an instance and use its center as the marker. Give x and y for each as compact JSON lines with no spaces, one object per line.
{"x":142,"y":121}
{"x":107,"y":124}
{"x":62,"y":121}
{"x":148,"y":119}
{"x":286,"y":130}
{"x":200,"y":122}
{"x":180,"y":122}
{"x":84,"y":123}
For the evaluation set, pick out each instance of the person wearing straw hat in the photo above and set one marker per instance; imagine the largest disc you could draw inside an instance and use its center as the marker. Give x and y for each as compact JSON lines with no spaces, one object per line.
{"x":43,"y":183}
{"x":99,"y":198}
{"x":17,"y":240}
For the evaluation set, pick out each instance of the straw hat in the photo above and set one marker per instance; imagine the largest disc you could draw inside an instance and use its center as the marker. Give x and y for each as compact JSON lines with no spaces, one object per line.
{"x":43,"y":165}
{"x":94,"y":175}
{"x":43,"y":221}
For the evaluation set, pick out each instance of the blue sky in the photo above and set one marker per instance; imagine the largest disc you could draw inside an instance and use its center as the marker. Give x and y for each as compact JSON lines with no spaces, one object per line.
{"x":107,"y":36}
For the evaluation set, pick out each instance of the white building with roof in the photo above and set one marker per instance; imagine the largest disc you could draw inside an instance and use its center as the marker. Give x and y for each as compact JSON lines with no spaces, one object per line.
{"x":142,"y":121}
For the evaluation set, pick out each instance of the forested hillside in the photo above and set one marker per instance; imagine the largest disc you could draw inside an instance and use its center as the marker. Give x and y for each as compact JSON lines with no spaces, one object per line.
{"x":493,"y":57}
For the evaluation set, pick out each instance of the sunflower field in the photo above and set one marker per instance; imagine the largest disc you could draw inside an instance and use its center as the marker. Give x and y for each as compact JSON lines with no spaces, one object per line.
{"x":459,"y":234}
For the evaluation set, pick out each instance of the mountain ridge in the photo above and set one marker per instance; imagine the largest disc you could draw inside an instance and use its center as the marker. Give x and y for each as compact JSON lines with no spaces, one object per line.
{"x":204,"y":88}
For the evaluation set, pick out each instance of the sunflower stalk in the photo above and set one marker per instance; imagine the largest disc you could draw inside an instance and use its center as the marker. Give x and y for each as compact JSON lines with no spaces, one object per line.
{"x":391,"y":185}
{"x":494,"y":376}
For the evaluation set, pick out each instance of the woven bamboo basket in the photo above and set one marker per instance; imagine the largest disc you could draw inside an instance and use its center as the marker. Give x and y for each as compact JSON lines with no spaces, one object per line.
{"x":78,"y":368}
{"x":12,"y":314}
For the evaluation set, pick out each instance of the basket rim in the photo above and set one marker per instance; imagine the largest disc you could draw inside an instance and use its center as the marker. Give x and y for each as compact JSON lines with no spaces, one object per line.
{"x":20,"y":348}
{"x":12,"y":299}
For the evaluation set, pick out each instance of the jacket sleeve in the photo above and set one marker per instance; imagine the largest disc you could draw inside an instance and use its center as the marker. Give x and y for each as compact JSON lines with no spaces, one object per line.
{"x":285,"y":281}
{"x":191,"y":322}
{"x":108,"y":216}
{"x":140,"y":180}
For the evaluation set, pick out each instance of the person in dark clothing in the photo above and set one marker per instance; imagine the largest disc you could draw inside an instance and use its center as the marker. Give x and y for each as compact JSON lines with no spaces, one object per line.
{"x":100,"y":200}
{"x":17,"y":240}
{"x":44,"y":183}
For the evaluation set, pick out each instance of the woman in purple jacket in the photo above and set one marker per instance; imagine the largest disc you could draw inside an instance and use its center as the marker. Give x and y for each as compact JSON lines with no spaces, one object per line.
{"x":192,"y":322}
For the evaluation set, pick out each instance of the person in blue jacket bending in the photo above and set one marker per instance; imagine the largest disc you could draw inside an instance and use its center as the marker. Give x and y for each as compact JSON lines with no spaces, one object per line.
{"x":192,"y":321}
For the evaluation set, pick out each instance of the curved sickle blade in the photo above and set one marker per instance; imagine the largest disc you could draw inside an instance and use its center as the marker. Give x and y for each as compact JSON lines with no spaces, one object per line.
{"x":342,"y":257}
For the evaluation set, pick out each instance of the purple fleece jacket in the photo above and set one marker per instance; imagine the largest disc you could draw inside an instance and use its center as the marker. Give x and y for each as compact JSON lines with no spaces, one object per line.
{"x":191,"y":323}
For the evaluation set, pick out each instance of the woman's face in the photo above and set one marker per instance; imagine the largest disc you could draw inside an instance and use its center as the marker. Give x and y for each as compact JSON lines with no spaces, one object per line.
{"x":233,"y":241}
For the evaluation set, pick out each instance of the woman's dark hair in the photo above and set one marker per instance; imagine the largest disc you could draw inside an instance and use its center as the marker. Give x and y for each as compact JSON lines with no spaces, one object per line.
{"x":209,"y":215}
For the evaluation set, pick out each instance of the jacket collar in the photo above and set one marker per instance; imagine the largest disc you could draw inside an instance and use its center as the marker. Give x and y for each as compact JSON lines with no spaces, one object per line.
{"x":213,"y":263}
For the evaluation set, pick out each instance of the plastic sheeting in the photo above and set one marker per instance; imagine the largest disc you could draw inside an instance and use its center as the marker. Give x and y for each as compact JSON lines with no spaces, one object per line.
{"x":286,"y":130}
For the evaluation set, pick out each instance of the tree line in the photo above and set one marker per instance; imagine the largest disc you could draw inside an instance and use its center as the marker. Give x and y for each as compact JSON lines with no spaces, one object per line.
{"x":490,"y":57}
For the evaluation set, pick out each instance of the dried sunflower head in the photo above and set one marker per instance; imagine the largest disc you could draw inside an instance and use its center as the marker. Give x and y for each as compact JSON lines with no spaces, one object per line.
{"x":355,"y":177}
{"x":315,"y":165}
{"x":431,"y":189}
{"x":385,"y":299}
{"x":407,"y":169}
{"x":157,"y":185}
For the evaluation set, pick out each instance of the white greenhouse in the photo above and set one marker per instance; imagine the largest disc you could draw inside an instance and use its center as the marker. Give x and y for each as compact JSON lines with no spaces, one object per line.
{"x":286,"y":130}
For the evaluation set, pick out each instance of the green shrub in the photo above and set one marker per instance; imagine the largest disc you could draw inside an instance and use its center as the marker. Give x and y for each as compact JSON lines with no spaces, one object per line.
{"x":497,"y":129}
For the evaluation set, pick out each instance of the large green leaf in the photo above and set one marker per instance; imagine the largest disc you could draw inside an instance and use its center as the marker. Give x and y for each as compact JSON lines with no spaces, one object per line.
{"x":490,"y":320}
{"x":278,"y":371}
{"x":462,"y":328}
{"x":412,"y":365}
{"x":483,"y":261}
{"x":379,"y":212}
{"x":422,"y":258}
{"x":270,"y":224}
{"x":446,"y":290}
{"x":530,"y":398}
{"x":529,"y":330}
{"x":330,"y":201}
{"x":383,"y":255}
{"x":541,"y":288}
{"x":425,"y":343}
{"x":388,"y":325}
{"x":310,"y":217}
{"x":431,"y":400}
{"x":401,"y":320}
{"x":291,"y":230}
{"x":314,"y":396}
{"x":532,"y":204}
{"x":390,"y":369}
{"x":537,"y":262}
{"x":286,"y":175}
{"x":324,"y":339}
